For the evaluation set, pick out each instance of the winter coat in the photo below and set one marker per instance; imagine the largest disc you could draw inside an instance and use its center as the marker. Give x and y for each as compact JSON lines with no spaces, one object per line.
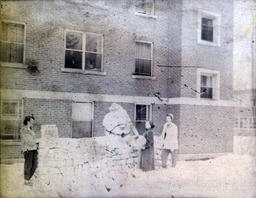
{"x":28,"y":139}
{"x":170,"y":136}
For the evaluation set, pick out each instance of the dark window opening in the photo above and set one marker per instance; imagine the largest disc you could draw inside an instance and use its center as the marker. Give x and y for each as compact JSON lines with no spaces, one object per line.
{"x":207,"y":29}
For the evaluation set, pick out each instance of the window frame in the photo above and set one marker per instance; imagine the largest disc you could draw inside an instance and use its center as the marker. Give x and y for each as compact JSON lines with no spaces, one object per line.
{"x":216,"y":18}
{"x":151,"y":15}
{"x":215,"y":83}
{"x":83,"y":70}
{"x":148,"y":111}
{"x":92,"y":116}
{"x":17,"y":118}
{"x":13,"y":64}
{"x":152,"y":60}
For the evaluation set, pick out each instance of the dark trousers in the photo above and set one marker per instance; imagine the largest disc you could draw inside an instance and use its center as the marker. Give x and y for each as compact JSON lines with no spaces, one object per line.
{"x":164,"y":157}
{"x":30,"y":163}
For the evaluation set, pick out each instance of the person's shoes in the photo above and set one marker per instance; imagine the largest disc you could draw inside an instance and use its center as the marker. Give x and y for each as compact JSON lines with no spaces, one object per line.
{"x":28,"y":183}
{"x":164,"y":166}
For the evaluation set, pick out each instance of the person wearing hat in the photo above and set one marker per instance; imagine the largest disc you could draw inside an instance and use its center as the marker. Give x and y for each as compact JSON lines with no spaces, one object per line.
{"x":147,"y":153}
{"x":169,"y":141}
{"x":29,"y":148}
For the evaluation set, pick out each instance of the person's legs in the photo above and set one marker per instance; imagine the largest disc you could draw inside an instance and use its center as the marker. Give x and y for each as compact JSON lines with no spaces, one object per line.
{"x":164,"y":157}
{"x":34,"y":163}
{"x":174,"y":157}
{"x":28,"y":155}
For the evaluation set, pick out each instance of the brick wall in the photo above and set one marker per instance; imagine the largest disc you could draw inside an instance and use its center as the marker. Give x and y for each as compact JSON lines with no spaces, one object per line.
{"x":46,"y":23}
{"x":56,"y":112}
{"x":206,"y":129}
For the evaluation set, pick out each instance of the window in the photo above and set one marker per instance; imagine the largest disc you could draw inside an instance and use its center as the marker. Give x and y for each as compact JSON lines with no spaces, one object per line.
{"x":237,"y":123}
{"x":145,"y":6}
{"x":12,"y":42}
{"x":83,"y":51}
{"x":10,"y":119}
{"x":254,"y":102}
{"x":82,"y":120}
{"x":208,"y":84}
{"x":143,"y":58}
{"x":208,"y":28}
{"x":142,"y":113}
{"x":206,"y":87}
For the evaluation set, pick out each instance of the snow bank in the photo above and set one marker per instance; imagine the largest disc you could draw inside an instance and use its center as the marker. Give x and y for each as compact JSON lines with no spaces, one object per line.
{"x":75,"y":164}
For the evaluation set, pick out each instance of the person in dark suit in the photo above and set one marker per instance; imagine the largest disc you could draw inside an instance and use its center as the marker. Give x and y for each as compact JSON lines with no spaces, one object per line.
{"x":147,"y":154}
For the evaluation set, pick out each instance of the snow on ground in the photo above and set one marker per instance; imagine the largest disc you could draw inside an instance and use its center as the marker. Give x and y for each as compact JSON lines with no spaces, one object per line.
{"x":230,"y":176}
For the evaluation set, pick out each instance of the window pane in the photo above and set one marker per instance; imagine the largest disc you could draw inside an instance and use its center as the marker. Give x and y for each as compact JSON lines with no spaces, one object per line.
{"x":74,"y":40}
{"x":73,"y":59}
{"x":81,"y":129}
{"x":9,"y":129}
{"x":11,"y":52}
{"x":93,"y":43}
{"x":143,"y":50}
{"x":144,"y":6}
{"x":207,"y":29}
{"x":143,"y":67}
{"x":10,"y":108}
{"x":141,"y":112}
{"x":206,"y":92}
{"x":93,"y":61}
{"x":206,"y":81}
{"x":13,"y":32}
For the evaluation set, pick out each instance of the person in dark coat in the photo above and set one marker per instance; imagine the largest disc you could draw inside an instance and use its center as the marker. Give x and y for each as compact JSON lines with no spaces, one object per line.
{"x":147,"y":154}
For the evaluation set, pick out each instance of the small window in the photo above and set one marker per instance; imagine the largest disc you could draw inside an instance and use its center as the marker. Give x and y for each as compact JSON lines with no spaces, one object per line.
{"x":145,"y":6}
{"x":254,"y":102}
{"x":82,"y":120}
{"x":10,"y":122}
{"x":208,"y":84}
{"x":84,"y":51}
{"x":142,"y":114}
{"x":12,"y":42}
{"x":244,"y":123}
{"x":206,"y":88}
{"x":208,"y":28}
{"x":251,"y":123}
{"x":143,"y":60}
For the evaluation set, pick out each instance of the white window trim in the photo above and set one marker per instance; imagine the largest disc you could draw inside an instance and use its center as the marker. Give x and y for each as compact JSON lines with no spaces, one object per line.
{"x":152,"y":15}
{"x":16,"y":65}
{"x":83,"y":70}
{"x":216,"y":33}
{"x":92,"y":116}
{"x":216,"y":84}
{"x":152,"y":77}
{"x":148,"y":117}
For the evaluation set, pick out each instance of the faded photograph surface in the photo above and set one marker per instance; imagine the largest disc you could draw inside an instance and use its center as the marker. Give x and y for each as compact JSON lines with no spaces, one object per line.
{"x":128,"y":98}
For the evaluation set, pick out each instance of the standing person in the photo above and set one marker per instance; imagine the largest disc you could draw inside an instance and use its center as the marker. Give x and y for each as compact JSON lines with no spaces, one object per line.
{"x":170,"y":141}
{"x":147,"y":154}
{"x":29,"y":148}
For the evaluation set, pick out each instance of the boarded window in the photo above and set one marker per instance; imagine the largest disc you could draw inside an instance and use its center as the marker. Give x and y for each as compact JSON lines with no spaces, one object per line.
{"x":82,"y":114}
{"x":12,"y":42}
{"x":143,"y":59}
{"x":207,"y":29}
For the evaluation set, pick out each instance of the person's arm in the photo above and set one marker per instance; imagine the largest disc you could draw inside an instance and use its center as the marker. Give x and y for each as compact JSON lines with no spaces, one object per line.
{"x":164,"y":130}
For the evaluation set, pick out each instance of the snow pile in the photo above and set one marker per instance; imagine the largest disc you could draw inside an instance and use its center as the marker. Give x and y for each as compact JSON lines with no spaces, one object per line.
{"x":64,"y":163}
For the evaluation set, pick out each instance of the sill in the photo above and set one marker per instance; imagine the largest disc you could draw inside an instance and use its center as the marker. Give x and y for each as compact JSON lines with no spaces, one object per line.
{"x":85,"y":72}
{"x":13,"y":65}
{"x":208,"y":43}
{"x":14,"y":142}
{"x":144,"y":77}
{"x":146,"y":15}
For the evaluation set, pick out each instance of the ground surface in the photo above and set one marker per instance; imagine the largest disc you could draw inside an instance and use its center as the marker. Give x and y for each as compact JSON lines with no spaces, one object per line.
{"x":230,"y":176}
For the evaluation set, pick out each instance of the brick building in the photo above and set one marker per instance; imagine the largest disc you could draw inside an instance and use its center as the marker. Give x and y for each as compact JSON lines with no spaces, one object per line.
{"x":67,"y":61}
